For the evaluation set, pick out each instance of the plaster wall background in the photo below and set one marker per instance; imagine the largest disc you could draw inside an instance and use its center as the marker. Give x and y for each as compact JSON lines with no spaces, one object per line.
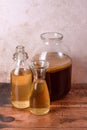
{"x":22,"y":22}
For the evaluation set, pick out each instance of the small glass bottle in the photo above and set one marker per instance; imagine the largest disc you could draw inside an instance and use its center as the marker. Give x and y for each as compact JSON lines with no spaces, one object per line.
{"x":21,"y":79}
{"x":39,"y":99}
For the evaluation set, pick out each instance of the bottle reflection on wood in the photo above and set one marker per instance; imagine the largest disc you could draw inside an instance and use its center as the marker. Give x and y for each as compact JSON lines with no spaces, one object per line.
{"x":39,"y":99}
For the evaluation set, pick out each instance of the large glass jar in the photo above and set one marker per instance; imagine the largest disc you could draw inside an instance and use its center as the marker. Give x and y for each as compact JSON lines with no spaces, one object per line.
{"x":58,"y":75}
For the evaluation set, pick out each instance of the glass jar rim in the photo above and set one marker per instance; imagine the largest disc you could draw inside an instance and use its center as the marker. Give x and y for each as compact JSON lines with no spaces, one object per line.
{"x":39,"y":64}
{"x":51,"y":36}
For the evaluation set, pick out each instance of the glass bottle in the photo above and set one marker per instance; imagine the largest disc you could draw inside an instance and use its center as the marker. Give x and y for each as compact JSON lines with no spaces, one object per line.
{"x":58,"y":74}
{"x":39,"y":99}
{"x":21,"y":79}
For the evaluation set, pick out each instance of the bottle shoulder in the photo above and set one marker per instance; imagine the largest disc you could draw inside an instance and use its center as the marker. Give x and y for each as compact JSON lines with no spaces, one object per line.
{"x":20,"y":71}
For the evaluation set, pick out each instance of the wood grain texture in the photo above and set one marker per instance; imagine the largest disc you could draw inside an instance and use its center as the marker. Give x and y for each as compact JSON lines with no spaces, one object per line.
{"x":69,"y":113}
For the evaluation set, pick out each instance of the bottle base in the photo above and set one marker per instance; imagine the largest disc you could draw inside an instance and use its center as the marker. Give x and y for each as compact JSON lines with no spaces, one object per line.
{"x":20,"y":104}
{"x":39,"y":111}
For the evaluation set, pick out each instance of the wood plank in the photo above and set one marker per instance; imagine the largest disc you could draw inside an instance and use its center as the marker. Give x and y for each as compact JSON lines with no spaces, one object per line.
{"x":62,"y":117}
{"x":69,"y":113}
{"x":45,"y":128}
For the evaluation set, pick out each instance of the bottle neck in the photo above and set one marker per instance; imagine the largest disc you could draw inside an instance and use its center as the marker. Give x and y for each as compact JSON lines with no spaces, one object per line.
{"x":38,"y":68}
{"x":39,"y":74}
{"x":20,"y":56}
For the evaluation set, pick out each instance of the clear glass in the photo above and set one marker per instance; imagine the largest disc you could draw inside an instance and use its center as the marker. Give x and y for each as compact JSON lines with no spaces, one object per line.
{"x":21,"y":79}
{"x":58,"y":75}
{"x":39,"y":99}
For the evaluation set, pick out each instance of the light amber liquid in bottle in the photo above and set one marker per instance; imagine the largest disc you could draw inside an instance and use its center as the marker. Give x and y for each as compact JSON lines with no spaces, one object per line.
{"x":20,"y":87}
{"x":39,"y":99}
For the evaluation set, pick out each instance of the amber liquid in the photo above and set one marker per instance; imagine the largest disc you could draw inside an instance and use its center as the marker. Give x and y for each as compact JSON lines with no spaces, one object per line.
{"x":58,"y":76}
{"x":39,"y":99}
{"x":20,"y":86}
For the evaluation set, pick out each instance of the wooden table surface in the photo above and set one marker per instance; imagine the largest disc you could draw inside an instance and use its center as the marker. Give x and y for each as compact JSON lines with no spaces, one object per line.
{"x":69,"y":113}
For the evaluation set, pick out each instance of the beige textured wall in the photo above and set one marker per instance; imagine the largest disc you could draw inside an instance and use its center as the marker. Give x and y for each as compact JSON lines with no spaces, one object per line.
{"x":22,"y":21}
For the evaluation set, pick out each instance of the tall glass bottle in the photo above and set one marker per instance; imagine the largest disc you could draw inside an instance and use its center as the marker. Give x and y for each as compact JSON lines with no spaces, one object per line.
{"x":39,"y":99}
{"x":21,"y":79}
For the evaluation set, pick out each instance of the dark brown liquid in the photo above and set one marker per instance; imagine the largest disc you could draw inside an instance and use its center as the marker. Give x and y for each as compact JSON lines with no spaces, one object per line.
{"x":59,"y":83}
{"x":58,"y":78}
